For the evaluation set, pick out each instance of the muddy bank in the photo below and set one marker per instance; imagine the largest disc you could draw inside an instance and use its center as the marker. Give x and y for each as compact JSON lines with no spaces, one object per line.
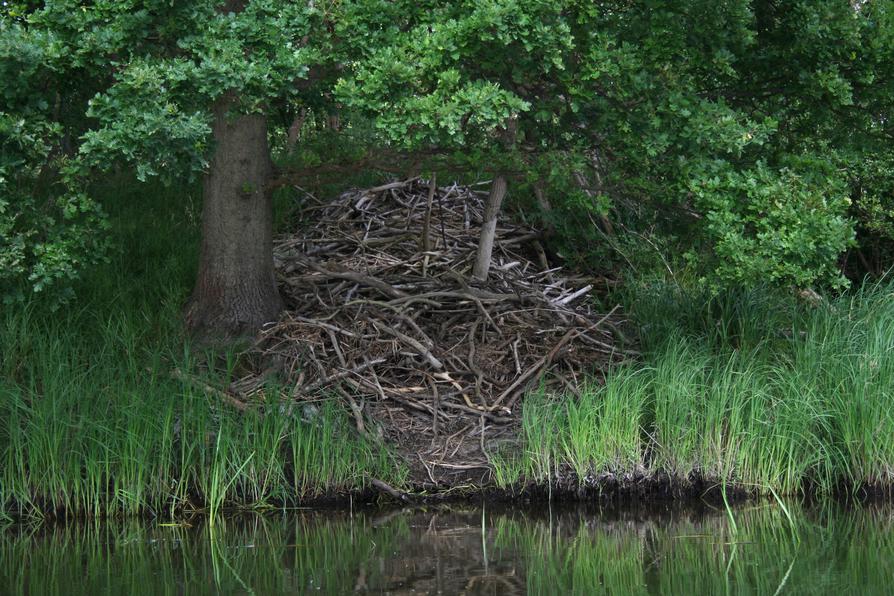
{"x":654,"y":493}
{"x":648,"y":493}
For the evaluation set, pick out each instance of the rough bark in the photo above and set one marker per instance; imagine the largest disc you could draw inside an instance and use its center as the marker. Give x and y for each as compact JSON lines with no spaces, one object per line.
{"x":489,"y":228}
{"x":235,"y":292}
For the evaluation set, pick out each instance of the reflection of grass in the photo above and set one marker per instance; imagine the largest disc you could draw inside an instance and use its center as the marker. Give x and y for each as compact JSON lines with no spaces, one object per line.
{"x":851,"y":550}
{"x":769,"y":408}
{"x":267,"y":555}
{"x":91,"y":421}
{"x":573,"y":552}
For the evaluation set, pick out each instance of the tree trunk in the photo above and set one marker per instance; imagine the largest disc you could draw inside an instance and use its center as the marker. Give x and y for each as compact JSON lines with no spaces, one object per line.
{"x":546,"y":206}
{"x":492,"y":208}
{"x":489,"y":228}
{"x":294,"y":132}
{"x":235,"y":292}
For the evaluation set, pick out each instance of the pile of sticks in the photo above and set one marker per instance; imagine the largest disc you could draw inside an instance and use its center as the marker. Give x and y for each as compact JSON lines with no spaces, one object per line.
{"x":381,"y":309}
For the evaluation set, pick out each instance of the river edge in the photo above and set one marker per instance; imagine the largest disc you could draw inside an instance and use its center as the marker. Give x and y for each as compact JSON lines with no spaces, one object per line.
{"x":657,"y":491}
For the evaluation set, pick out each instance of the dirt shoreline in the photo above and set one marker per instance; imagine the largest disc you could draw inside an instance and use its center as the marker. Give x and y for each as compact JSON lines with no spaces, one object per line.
{"x":658,"y":491}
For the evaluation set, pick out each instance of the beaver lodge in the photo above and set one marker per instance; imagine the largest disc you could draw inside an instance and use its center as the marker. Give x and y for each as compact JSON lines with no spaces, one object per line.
{"x":425,"y":358}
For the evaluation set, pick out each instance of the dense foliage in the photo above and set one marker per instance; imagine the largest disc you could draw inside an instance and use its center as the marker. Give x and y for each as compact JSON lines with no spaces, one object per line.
{"x":47,"y":224}
{"x":749,"y":139}
{"x":740,"y":125}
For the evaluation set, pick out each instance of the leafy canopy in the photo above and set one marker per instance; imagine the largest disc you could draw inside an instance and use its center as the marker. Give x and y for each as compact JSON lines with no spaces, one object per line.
{"x":89,"y":86}
{"x":749,"y":132}
{"x":732,"y":116}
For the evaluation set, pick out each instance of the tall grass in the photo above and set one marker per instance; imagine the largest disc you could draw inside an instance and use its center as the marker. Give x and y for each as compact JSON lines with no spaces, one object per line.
{"x":92,"y":423}
{"x":747,"y":390}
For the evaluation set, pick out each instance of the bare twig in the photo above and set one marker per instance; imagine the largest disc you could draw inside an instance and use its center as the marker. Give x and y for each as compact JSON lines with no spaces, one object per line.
{"x":209,"y":390}
{"x":386,"y":310}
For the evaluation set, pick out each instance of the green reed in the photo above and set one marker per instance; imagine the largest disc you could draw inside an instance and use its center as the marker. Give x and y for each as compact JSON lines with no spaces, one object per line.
{"x":747,"y":388}
{"x":92,"y":422}
{"x":752,"y":399}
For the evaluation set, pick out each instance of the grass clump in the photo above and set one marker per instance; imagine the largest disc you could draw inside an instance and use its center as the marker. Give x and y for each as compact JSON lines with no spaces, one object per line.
{"x":92,"y":423}
{"x":733,"y":392}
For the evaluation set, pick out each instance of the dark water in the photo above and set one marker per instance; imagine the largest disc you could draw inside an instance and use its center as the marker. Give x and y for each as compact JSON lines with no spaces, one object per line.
{"x":465,"y":550}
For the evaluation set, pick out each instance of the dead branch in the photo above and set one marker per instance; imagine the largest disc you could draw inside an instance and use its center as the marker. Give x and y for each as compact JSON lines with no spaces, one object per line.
{"x":386,"y":314}
{"x":209,"y":390}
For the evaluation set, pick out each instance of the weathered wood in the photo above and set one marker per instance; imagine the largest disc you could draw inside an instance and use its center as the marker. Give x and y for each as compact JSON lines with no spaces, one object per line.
{"x":401,"y":329}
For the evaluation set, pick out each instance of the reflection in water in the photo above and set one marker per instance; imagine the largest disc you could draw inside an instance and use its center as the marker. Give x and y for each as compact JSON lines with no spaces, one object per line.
{"x":463,"y":550}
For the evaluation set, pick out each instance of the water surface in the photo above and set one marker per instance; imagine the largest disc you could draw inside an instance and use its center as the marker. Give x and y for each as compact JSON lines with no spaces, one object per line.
{"x":760,"y":549}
